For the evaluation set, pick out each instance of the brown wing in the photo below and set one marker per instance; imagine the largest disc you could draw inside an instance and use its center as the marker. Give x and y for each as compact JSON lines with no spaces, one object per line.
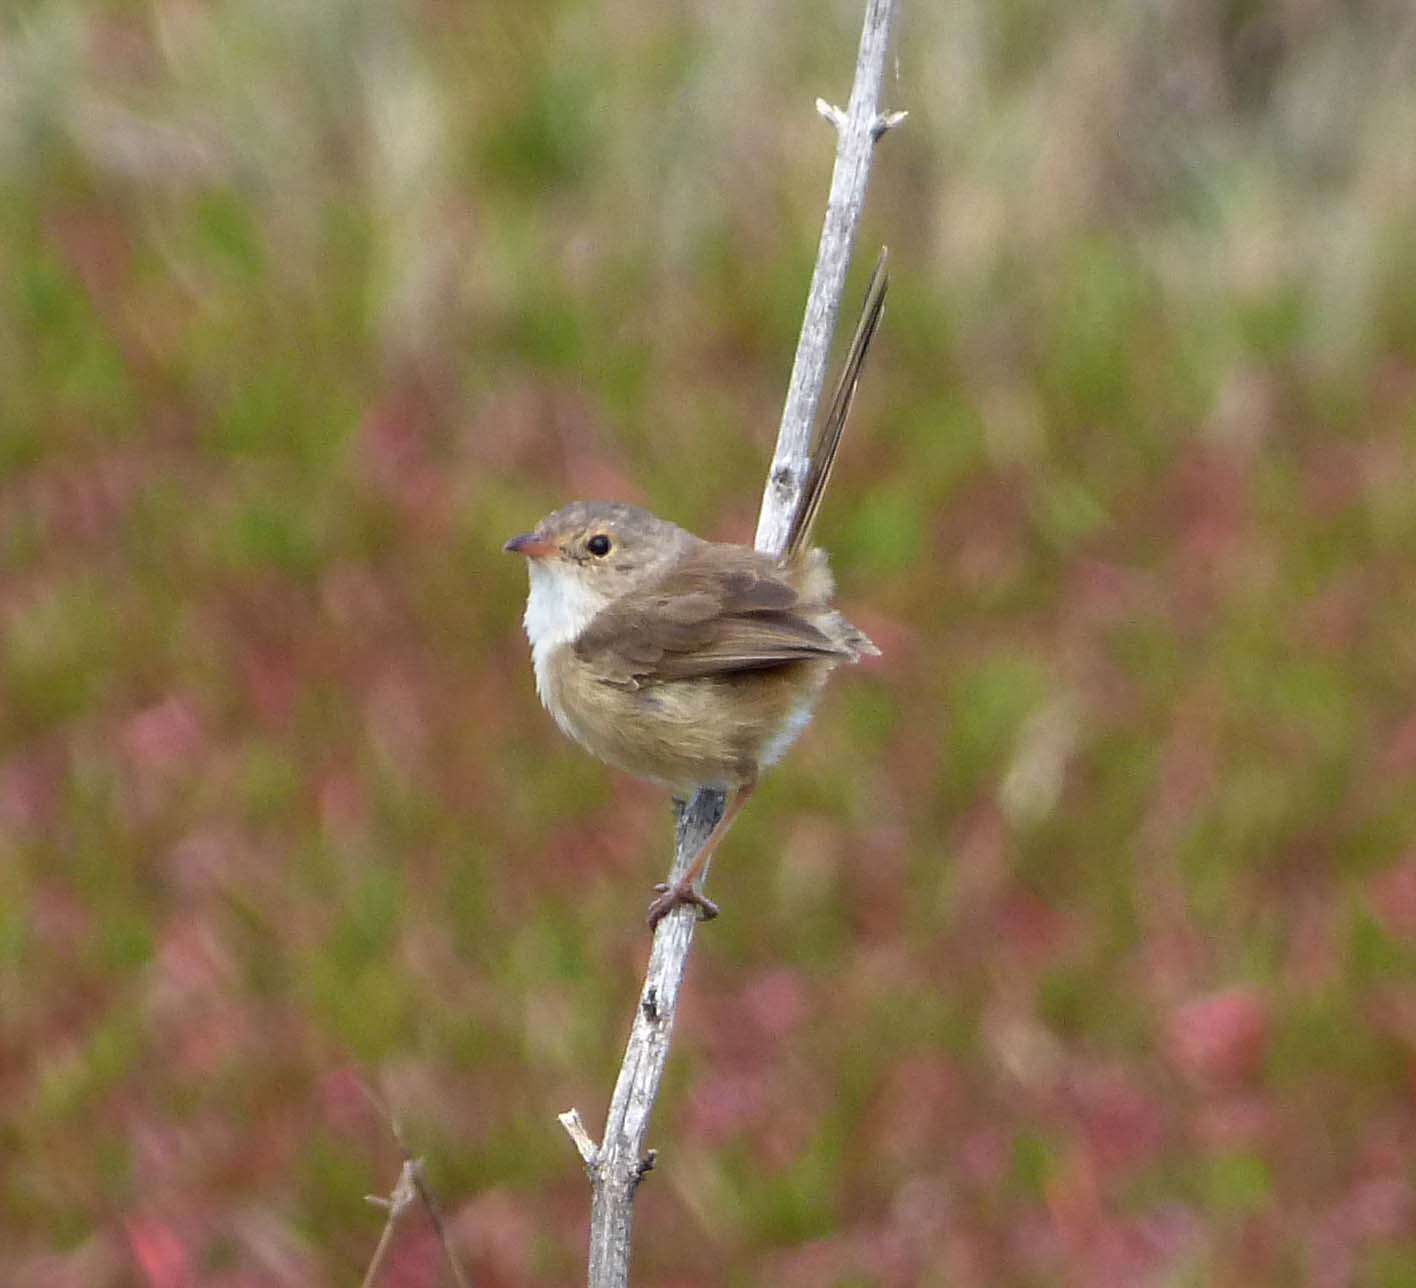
{"x":719,"y":609}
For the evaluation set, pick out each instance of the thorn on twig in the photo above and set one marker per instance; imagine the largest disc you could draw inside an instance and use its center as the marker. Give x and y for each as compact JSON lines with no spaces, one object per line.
{"x":650,"y":1004}
{"x":832,"y":114}
{"x":584,"y":1142}
{"x":884,"y":123}
{"x":646,"y":1165}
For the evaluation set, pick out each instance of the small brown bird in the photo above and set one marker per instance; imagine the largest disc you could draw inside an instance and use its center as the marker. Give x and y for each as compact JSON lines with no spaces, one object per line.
{"x":687,"y":662}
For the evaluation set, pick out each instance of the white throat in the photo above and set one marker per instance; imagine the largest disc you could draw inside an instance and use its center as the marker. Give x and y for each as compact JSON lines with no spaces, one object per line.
{"x":558,"y":609}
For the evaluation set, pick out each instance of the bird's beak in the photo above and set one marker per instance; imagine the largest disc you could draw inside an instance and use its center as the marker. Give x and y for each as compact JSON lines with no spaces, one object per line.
{"x":530,"y":545}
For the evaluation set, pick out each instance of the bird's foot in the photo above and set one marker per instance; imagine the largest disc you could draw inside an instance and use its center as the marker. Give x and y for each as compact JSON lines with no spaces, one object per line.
{"x":674,"y":896}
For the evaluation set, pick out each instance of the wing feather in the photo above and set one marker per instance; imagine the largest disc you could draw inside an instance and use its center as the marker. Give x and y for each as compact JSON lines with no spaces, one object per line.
{"x":717,"y":610}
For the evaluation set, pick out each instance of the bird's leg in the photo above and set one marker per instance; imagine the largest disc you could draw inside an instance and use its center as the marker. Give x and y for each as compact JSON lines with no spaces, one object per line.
{"x":682,"y":891}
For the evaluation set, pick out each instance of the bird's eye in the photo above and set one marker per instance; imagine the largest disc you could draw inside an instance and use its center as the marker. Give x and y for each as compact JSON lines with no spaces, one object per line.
{"x":598,"y":545}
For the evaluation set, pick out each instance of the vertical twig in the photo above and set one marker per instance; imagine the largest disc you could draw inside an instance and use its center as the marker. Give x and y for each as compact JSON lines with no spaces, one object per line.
{"x":619,"y":1162}
{"x":857,"y":129}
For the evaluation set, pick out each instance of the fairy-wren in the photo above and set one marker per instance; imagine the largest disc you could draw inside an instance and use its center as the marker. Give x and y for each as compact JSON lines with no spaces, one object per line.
{"x":686,"y":662}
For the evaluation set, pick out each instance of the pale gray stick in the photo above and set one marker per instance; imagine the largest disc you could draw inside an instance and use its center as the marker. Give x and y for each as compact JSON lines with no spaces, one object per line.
{"x":619,"y":1162}
{"x":857,"y":129}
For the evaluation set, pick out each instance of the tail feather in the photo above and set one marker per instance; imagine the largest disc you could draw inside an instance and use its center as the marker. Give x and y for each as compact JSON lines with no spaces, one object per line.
{"x":828,"y":436}
{"x":856,"y":640}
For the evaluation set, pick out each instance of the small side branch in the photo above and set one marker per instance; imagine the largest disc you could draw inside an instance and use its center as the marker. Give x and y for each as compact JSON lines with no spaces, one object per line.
{"x":412,"y":1187}
{"x":575,"y":1127}
{"x":620,"y":1162}
{"x":886,"y":122}
{"x":404,"y":1195}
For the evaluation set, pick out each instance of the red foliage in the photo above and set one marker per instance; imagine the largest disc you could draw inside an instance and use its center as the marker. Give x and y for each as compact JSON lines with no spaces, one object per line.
{"x":161,"y":1256}
{"x":1393,"y":897}
{"x":1219,"y":1039}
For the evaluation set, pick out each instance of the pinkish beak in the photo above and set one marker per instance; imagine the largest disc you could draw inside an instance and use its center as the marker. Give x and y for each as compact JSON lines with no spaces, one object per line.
{"x":530,"y":545}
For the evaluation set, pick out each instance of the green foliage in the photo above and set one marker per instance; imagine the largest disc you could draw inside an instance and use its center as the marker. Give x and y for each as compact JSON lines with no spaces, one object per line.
{"x":1238,"y":1183}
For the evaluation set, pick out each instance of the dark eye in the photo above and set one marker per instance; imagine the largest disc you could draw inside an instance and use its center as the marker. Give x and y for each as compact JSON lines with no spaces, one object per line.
{"x":598,"y":545}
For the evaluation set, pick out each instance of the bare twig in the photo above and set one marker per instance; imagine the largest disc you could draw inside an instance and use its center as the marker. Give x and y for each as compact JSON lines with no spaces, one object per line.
{"x":619,"y":1163}
{"x":404,"y":1195}
{"x":435,"y":1215}
{"x":575,"y":1125}
{"x":412,"y":1187}
{"x":857,"y":129}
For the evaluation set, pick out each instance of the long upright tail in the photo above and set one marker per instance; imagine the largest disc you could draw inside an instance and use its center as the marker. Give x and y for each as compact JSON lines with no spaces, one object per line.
{"x":828,"y":434}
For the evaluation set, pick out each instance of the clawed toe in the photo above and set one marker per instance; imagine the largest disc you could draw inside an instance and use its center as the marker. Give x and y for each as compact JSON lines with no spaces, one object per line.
{"x":674,"y":896}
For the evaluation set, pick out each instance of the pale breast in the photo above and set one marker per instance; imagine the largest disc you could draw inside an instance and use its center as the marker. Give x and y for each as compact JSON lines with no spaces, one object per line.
{"x":559,"y":607}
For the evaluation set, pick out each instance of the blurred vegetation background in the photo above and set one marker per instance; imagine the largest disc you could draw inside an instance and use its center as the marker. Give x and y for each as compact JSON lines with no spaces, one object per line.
{"x":1073,"y":945}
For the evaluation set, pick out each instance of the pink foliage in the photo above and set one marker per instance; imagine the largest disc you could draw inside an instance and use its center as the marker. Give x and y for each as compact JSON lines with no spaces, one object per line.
{"x":775,"y":1002}
{"x":1393,"y":897}
{"x":29,"y":790}
{"x":1219,"y":1039}
{"x":1123,"y":1121}
{"x":161,"y":1256}
{"x":164,"y":737}
{"x":497,"y":1234}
